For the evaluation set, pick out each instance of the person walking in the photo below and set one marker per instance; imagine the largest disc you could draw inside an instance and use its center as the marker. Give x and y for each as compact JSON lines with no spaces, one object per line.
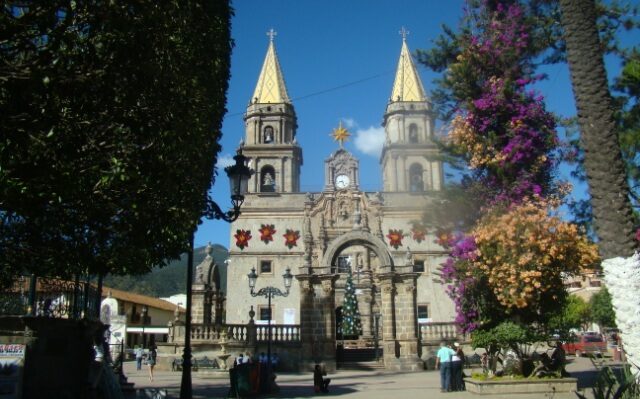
{"x":443,"y":362}
{"x":138,"y":352}
{"x":151,"y":360}
{"x":457,"y":363}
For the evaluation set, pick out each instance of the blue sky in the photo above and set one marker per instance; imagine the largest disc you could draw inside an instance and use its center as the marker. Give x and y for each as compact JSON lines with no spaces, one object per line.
{"x":338,"y":58}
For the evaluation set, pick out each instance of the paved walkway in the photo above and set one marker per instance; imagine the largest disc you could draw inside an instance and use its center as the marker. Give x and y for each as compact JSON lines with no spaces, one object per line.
{"x":351,"y":384}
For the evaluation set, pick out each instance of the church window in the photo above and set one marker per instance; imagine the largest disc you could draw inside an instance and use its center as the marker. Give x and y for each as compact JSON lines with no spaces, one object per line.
{"x":418,"y":266}
{"x":344,"y":264}
{"x":413,"y":133}
{"x":265,"y":266}
{"x":265,"y":313}
{"x":423,"y":313}
{"x":267,"y":180}
{"x":416,"y":184}
{"x":268,"y":134}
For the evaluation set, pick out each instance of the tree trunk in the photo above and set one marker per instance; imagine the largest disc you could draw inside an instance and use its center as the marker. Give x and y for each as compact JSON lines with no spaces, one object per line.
{"x":603,"y":162}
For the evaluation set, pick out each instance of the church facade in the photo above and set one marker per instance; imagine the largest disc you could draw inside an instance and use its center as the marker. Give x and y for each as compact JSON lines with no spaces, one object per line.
{"x":380,"y":238}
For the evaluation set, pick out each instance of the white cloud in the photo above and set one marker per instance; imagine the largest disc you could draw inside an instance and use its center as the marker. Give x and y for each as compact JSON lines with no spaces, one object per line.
{"x":349,"y":123}
{"x":225,"y":160}
{"x":370,"y":140}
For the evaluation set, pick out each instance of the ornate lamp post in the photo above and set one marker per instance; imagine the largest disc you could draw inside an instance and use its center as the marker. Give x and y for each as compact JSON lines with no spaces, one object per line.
{"x":376,"y":319}
{"x":269,"y":292}
{"x":239,"y":175}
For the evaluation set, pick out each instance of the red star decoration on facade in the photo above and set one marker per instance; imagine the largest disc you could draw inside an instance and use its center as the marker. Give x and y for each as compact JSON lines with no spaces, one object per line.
{"x":418,"y":232}
{"x":242,"y":238}
{"x":291,"y":238}
{"x":395,"y":238}
{"x":266,"y":232}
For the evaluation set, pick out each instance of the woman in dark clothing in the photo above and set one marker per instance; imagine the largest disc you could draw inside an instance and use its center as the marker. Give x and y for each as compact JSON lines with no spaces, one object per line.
{"x":320,"y":384}
{"x":457,"y":362}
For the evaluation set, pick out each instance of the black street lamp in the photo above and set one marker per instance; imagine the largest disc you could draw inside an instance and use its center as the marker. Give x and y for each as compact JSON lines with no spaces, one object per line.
{"x":269,"y":292}
{"x":239,"y":175}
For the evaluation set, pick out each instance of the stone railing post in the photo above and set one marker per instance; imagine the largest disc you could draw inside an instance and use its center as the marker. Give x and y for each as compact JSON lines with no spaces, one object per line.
{"x":251,"y":331}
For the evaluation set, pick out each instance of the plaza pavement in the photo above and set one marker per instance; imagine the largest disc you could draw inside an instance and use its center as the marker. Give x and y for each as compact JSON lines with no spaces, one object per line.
{"x":344,"y":384}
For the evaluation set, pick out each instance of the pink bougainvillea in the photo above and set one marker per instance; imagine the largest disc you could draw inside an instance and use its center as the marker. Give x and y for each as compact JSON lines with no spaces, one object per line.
{"x":517,"y":251}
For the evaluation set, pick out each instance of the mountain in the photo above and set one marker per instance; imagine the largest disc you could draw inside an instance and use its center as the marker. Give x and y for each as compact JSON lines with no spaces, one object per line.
{"x":171,"y":279}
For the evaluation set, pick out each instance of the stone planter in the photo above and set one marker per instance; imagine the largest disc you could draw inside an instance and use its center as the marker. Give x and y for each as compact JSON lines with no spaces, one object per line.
{"x":506,"y":386}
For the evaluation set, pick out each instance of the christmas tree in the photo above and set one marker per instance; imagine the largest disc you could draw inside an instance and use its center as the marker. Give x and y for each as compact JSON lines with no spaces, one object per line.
{"x":351,"y":323}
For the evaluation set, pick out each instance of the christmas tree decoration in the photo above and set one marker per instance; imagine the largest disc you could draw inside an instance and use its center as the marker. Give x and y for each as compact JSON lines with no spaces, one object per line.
{"x":351,"y":323}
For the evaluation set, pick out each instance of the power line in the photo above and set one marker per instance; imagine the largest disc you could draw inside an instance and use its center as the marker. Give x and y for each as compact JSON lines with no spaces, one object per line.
{"x":342,"y":86}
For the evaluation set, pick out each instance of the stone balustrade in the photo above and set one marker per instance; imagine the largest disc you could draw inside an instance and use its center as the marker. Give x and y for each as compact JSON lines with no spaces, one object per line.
{"x":201,"y":333}
{"x":439,"y":331}
{"x":279,"y":333}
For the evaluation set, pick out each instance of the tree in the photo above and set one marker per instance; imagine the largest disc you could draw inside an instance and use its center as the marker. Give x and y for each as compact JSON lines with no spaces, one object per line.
{"x":628,"y":117}
{"x":602,"y":311}
{"x":351,"y":323}
{"x":110,"y":121}
{"x":576,"y":313}
{"x":602,"y":160}
{"x":510,"y":265}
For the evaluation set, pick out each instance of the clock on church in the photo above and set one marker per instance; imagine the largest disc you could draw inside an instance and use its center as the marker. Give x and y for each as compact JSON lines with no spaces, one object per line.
{"x":342,"y":181}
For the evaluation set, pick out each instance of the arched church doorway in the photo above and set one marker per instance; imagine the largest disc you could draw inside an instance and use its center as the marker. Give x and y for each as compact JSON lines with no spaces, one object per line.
{"x":357,"y":258}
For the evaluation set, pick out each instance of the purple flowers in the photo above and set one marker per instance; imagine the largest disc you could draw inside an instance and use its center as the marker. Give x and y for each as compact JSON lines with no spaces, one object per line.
{"x":503,"y":129}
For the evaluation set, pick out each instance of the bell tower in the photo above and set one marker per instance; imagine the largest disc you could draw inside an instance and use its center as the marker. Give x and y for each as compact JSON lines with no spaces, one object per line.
{"x":270,"y":131}
{"x":409,"y":155}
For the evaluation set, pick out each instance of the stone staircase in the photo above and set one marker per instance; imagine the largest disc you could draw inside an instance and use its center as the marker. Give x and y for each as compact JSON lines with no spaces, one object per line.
{"x":360,"y":359}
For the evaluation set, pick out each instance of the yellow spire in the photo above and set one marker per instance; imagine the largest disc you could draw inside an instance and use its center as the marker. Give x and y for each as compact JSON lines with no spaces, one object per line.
{"x":270,"y":87}
{"x":407,"y":85}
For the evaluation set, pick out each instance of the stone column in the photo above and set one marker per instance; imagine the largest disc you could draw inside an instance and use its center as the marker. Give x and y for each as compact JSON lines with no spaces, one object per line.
{"x":309,"y":352}
{"x":198,"y":300}
{"x":387,"y":319}
{"x":326,"y":324}
{"x":364,"y":305}
{"x":406,"y":332}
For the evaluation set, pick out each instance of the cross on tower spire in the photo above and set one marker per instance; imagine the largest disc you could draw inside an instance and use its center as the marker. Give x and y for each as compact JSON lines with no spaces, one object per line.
{"x":272,"y":33}
{"x":404,"y":33}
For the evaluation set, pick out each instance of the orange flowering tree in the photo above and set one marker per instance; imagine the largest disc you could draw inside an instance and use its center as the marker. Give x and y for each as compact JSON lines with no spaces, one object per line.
{"x":510,"y":265}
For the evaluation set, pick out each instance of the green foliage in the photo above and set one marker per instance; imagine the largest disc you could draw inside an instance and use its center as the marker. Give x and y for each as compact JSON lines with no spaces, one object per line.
{"x":601,"y":308}
{"x":576,"y":313}
{"x":506,"y":335}
{"x":546,"y":43}
{"x":628,"y":116}
{"x":171,"y":279}
{"x":612,"y":385}
{"x":110,"y":121}
{"x":351,"y":323}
